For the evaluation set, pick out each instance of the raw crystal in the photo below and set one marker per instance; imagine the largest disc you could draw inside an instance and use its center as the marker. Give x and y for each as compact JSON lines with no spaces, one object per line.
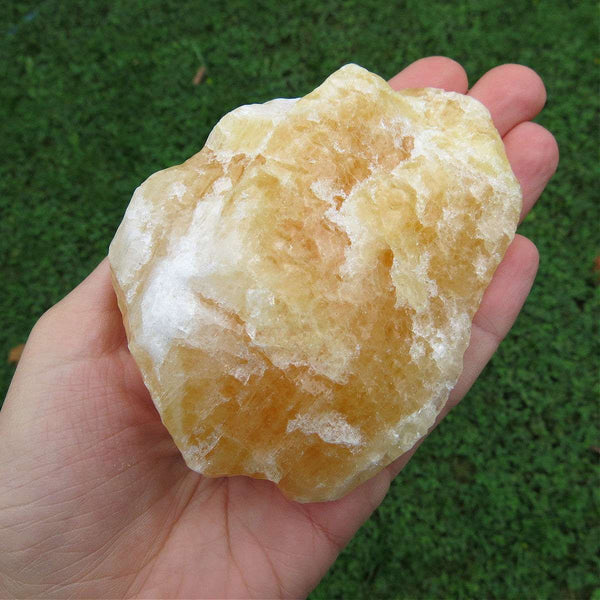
{"x":299,"y":294}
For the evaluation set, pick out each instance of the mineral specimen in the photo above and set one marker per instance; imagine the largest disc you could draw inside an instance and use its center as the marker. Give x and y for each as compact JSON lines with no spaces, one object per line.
{"x":299,"y":294}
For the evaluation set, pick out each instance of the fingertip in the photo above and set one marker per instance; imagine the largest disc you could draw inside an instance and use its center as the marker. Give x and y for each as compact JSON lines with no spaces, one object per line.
{"x":530,"y":85}
{"x":450,"y":71}
{"x":548,"y":149}
{"x":508,"y":289}
{"x":433,"y":71}
{"x":533,"y":155}
{"x":513,"y":94}
{"x":528,"y":256}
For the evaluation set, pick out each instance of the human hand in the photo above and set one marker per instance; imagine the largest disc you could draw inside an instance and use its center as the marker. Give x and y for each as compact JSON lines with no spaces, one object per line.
{"x":95,"y":499}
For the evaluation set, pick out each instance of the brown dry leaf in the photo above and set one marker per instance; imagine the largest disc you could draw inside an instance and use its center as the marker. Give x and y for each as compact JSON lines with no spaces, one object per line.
{"x":15,"y":354}
{"x":199,"y":76}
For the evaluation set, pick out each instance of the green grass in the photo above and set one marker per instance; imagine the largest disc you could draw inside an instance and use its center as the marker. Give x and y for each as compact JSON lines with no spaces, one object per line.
{"x":502,"y":501}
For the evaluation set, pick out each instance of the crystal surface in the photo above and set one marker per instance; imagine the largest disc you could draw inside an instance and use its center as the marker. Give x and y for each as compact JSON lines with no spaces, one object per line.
{"x":298,"y":295}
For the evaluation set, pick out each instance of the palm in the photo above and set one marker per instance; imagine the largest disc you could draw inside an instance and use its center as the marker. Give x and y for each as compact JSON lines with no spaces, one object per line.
{"x":96,"y":499}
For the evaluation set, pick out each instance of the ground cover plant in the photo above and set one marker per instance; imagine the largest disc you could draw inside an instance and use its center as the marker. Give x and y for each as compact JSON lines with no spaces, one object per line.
{"x":502,"y":501}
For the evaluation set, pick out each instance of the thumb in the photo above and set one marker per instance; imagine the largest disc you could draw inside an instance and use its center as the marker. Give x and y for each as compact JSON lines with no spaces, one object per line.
{"x":86,"y":324}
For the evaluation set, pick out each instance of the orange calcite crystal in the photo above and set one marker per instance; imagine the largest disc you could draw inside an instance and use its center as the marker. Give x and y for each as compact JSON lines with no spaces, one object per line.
{"x":299,"y":294}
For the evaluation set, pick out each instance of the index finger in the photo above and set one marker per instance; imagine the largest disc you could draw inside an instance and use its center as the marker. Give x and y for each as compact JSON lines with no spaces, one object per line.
{"x":433,"y":71}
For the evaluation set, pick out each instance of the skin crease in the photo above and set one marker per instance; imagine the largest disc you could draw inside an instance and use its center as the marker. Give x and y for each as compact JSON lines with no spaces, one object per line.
{"x":95,"y":499}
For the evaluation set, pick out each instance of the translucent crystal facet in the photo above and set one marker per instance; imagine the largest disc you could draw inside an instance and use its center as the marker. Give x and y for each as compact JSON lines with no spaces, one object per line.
{"x":299,"y":294}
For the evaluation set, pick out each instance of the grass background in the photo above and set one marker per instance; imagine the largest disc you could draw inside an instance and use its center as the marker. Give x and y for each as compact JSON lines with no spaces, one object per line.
{"x":502,"y":501}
